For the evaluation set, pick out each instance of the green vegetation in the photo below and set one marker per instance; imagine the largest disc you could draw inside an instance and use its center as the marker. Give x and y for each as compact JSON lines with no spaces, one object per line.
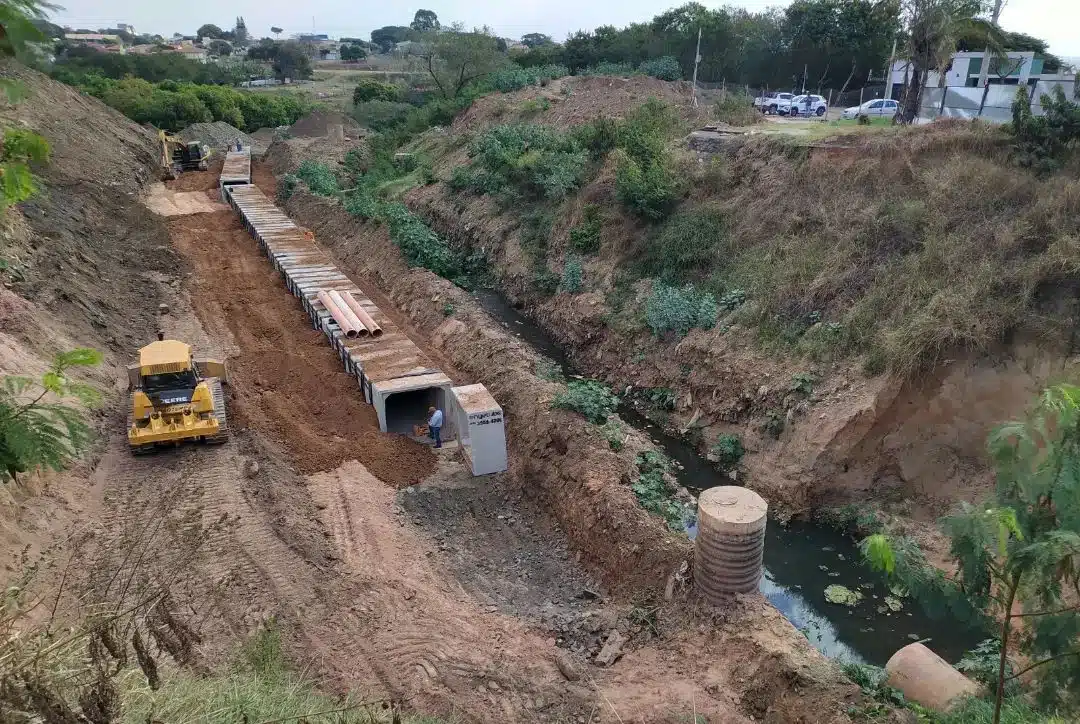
{"x":842,"y":595}
{"x":531,"y":161}
{"x":455,"y":59}
{"x":803,"y":383}
{"x":590,"y":398}
{"x":665,"y":68}
{"x":318,"y":177}
{"x":21,"y":149}
{"x":369,"y":89}
{"x":658,"y":398}
{"x":737,"y":109}
{"x":646,"y":183}
{"x":691,"y":240}
{"x":728,"y":450}
{"x":515,"y":77}
{"x":572,"y":275}
{"x":678,"y":310}
{"x":614,"y":433}
{"x":86,"y":67}
{"x":1043,"y":142}
{"x":585,"y":237}
{"x":654,"y":493}
{"x":1017,"y":554}
{"x":38,"y":426}
{"x":174,"y":106}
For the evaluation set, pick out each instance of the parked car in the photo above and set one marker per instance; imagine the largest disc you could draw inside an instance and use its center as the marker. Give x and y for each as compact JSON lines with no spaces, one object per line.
{"x":770,"y":102}
{"x":878,"y":108}
{"x":806,"y":105}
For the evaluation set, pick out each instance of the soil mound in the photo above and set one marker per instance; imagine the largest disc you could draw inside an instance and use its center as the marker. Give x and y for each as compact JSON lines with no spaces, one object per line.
{"x":216,"y":135}
{"x":575,"y":100}
{"x":321,"y":123}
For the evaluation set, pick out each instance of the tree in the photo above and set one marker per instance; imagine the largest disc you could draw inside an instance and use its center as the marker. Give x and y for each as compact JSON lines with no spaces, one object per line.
{"x":266,"y":49}
{"x":1018,"y":556}
{"x":454,"y":58}
{"x":932,"y":27}
{"x":219,"y":48}
{"x":209,"y":31}
{"x":290,"y":61}
{"x":36,"y":432}
{"x":276,"y":31}
{"x":387,"y":37}
{"x":535,"y":40}
{"x":240,"y":32}
{"x":352,"y":52}
{"x":425,"y":21}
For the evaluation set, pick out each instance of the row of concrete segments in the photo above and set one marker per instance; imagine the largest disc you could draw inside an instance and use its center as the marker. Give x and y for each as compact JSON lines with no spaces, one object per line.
{"x":381,"y":357}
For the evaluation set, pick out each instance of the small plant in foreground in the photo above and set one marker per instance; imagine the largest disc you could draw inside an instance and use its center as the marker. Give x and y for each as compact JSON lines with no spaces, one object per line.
{"x":547,"y":369}
{"x":35,"y":433}
{"x":585,"y":237}
{"x":773,"y":424}
{"x":728,"y":450}
{"x":653,"y":492}
{"x":286,"y":187}
{"x":803,"y":383}
{"x":660,"y":398}
{"x":614,"y":433}
{"x":448,"y":310}
{"x":678,"y":310}
{"x":572,"y":275}
{"x":1017,"y":554}
{"x":590,"y":398}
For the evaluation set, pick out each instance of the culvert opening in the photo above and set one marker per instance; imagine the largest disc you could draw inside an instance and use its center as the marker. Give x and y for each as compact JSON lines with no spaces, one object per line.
{"x":406,"y":410}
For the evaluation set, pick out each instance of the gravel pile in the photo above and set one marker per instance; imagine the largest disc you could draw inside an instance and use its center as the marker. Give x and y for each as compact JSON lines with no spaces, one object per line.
{"x":216,"y":135}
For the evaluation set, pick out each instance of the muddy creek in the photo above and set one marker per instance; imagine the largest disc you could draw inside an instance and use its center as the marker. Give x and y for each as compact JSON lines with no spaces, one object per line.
{"x":801,"y":558}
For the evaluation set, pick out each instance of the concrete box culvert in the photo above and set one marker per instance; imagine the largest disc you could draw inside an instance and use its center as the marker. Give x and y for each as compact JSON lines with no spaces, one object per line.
{"x":730,"y":541}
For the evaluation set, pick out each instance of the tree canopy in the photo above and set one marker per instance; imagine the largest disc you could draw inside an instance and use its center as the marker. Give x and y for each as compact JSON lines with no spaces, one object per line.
{"x":425,"y":21}
{"x":455,"y":58}
{"x":535,"y":40}
{"x":209,"y":30}
{"x":240,"y":32}
{"x":389,"y":36}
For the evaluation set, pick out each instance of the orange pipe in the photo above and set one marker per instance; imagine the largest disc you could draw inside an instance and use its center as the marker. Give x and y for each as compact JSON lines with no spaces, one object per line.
{"x":346,"y":326}
{"x":361,"y":330}
{"x":362,"y":315}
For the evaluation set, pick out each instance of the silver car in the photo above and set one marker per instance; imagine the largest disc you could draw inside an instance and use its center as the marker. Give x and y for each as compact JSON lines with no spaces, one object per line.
{"x":878,"y":108}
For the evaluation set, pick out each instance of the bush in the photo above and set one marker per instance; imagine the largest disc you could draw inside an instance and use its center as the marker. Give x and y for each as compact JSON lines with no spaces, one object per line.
{"x":661,"y":398}
{"x":678,"y":310}
{"x":419,"y":244}
{"x":653,"y":492}
{"x":590,"y":398}
{"x":650,"y":192}
{"x":689,"y":243}
{"x":665,"y":68}
{"x":286,"y":187}
{"x":609,"y":68}
{"x":737,"y":109}
{"x":515,"y":77}
{"x":538,"y":161}
{"x":614,"y":433}
{"x":598,"y":136}
{"x":372,"y":90}
{"x":585,"y":237}
{"x":381,"y":115}
{"x":318,"y":177}
{"x":1041,"y":142}
{"x":572,"y":274}
{"x":728,"y":450}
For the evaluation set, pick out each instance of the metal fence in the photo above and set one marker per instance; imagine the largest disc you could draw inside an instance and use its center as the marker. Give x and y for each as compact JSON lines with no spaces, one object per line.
{"x":996,"y":107}
{"x":710,"y":92}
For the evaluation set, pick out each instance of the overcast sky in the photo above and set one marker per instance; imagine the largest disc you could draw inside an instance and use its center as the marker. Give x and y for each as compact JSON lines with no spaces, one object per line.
{"x":1056,"y":21}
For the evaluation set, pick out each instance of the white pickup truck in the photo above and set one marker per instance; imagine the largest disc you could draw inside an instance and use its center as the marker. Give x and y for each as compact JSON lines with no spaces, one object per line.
{"x":772,"y":101}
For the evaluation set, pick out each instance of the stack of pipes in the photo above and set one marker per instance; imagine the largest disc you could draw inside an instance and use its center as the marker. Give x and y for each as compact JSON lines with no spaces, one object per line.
{"x":353,"y":320}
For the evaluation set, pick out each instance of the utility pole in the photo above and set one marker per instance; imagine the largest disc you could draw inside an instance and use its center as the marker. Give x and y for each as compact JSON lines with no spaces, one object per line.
{"x":888,"y":70}
{"x":805,"y":70}
{"x":984,"y":67}
{"x":697,"y":59}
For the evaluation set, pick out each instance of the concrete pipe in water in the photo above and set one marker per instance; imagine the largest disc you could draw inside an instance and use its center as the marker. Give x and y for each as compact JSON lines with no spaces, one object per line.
{"x":365,"y":319}
{"x":730,"y":541}
{"x":339,"y":316}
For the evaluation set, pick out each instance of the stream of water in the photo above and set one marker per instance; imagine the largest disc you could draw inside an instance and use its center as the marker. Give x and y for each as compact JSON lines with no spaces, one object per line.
{"x":801,"y":559}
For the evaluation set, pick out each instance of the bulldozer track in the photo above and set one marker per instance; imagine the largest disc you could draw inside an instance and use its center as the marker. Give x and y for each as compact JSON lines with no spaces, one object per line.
{"x":218,"y":393}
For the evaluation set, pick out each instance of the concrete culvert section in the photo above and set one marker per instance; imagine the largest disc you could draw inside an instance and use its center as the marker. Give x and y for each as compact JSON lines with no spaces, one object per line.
{"x":730,"y":542}
{"x":928,"y":679}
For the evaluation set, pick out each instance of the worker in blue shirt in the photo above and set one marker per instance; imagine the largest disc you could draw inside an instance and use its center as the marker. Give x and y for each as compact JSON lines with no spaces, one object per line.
{"x":435,"y":425}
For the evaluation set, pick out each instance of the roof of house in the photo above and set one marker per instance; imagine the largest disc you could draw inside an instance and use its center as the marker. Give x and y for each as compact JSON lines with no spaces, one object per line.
{"x":92,"y":36}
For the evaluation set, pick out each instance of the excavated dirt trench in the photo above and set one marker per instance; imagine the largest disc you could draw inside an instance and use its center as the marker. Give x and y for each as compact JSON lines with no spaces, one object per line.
{"x":454,"y":595}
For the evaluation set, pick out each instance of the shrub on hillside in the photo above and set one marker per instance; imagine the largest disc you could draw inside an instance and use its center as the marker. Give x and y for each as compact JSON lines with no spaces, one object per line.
{"x":678,"y":310}
{"x":608,"y":68}
{"x":572,"y":275}
{"x":318,"y":177}
{"x":585,"y":237}
{"x":691,"y":241}
{"x":537,"y":161}
{"x":728,"y":450}
{"x":650,"y":192}
{"x":664,"y":68}
{"x":515,"y":77}
{"x":369,"y":89}
{"x":381,"y":115}
{"x":418,"y":243}
{"x":590,"y":398}
{"x":1043,"y":141}
{"x":737,"y":109}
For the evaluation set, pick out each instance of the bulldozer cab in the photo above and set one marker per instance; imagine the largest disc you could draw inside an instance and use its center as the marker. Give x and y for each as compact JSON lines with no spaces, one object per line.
{"x":166,"y":372}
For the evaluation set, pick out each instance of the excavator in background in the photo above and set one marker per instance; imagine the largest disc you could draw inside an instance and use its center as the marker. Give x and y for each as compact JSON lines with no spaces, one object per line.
{"x":175,"y":397}
{"x":178,"y":155}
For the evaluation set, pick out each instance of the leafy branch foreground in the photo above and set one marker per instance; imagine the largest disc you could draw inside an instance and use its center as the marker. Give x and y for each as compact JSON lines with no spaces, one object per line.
{"x":1018,"y":556}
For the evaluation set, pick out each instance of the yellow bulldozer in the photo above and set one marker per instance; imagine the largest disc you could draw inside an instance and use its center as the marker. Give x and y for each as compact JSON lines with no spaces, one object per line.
{"x":175,"y":397}
{"x":178,"y":155}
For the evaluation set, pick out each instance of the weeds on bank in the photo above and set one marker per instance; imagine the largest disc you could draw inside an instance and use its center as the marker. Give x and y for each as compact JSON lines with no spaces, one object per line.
{"x":592,"y":399}
{"x":653,"y":492}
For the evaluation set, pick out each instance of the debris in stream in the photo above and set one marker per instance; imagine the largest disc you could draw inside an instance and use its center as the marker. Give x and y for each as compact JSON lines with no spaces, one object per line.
{"x":842,"y":595}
